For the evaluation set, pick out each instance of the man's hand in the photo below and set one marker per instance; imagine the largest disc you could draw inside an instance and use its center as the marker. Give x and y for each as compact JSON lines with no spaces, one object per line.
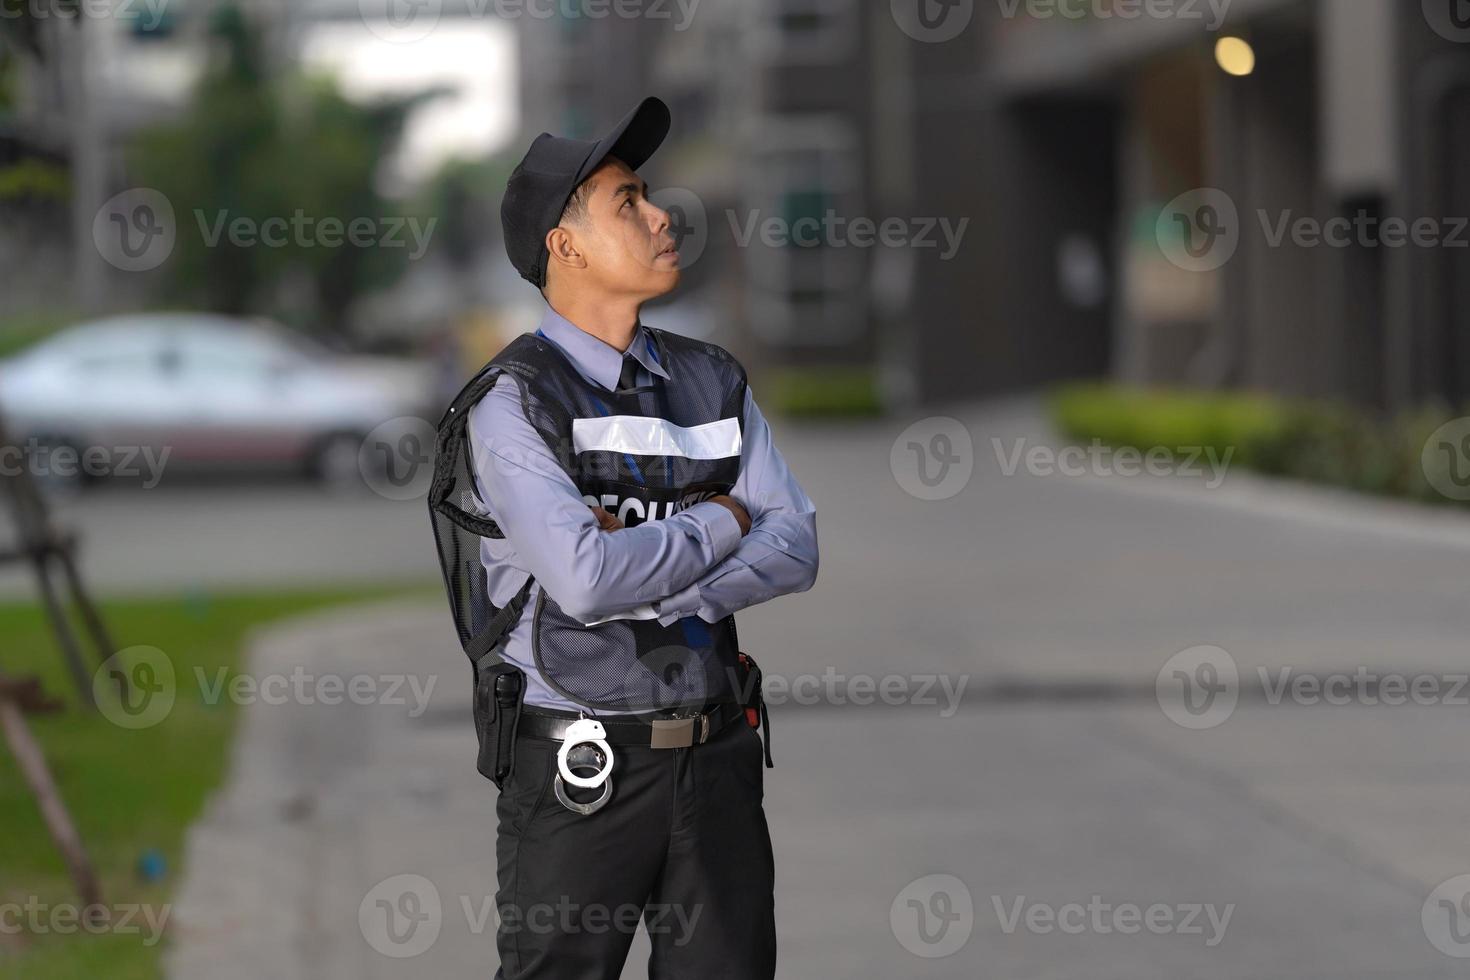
{"x":737,"y":508}
{"x":606,"y":521}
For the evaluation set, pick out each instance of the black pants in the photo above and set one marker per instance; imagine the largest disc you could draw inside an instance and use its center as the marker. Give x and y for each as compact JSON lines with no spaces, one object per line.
{"x":682,"y":844}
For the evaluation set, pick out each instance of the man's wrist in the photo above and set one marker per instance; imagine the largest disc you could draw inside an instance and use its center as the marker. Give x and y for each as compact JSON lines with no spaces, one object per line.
{"x":720,"y":524}
{"x":683,"y":603}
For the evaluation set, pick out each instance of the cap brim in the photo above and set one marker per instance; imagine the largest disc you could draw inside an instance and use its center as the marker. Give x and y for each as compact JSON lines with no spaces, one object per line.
{"x":633,"y":140}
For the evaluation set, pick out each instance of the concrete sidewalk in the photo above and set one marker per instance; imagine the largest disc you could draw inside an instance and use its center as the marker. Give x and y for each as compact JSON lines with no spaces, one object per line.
{"x":1058,"y":782}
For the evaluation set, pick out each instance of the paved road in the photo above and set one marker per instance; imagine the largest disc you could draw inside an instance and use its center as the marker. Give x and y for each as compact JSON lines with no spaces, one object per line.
{"x":1058,"y":787}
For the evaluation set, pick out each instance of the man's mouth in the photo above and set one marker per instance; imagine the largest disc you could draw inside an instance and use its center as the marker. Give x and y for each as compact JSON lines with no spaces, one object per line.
{"x":671,"y":248}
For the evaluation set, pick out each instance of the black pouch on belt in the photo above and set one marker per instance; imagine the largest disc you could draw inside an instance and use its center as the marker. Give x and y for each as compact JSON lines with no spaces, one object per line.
{"x":499,"y":692}
{"x":753,"y":701}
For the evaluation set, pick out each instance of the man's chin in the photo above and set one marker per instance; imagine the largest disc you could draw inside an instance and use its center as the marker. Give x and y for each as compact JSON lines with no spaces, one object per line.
{"x":666,"y":281}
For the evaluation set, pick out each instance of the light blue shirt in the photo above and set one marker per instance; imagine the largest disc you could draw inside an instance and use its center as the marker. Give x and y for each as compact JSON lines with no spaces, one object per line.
{"x":694,"y":563}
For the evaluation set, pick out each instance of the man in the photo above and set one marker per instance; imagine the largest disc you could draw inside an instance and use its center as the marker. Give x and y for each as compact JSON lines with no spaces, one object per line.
{"x":621,"y":499}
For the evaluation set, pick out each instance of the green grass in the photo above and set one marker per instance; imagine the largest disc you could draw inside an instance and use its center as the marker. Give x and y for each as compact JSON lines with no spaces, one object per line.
{"x":129,"y":791}
{"x":829,"y":392}
{"x":1320,"y":442}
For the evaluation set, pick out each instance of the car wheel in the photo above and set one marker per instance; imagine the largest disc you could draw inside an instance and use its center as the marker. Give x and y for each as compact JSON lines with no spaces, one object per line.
{"x":335,"y":462}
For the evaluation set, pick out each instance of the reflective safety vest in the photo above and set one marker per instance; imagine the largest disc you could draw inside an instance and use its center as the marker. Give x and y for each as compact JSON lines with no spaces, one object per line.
{"x":642,"y":455}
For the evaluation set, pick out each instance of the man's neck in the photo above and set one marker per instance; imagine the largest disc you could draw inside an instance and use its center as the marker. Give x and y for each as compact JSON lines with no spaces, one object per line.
{"x":613,"y":323}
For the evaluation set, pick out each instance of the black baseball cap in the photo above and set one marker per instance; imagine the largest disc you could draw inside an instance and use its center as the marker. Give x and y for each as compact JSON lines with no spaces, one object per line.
{"x":541,"y":184}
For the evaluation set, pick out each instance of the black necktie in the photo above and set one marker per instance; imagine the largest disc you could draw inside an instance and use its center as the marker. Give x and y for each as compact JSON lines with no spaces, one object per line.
{"x":629,"y":378}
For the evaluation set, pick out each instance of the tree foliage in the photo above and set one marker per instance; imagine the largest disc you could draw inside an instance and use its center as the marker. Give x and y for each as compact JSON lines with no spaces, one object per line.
{"x":258,"y":151}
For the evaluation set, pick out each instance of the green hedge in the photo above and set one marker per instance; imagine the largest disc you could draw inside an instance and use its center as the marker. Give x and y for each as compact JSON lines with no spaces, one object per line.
{"x":1317,"y":441}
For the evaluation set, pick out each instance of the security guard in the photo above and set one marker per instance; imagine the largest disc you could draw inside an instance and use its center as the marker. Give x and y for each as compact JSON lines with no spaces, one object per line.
{"x":606,"y":496}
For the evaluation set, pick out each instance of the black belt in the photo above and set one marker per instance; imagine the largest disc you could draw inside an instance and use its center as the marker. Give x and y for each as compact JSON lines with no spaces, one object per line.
{"x":657,"y":733}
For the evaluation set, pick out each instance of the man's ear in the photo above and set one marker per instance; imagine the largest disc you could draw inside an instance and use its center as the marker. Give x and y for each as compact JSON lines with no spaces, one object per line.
{"x":563,"y":249}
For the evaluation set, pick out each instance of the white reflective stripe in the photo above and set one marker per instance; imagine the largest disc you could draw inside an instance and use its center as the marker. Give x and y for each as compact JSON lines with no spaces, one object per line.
{"x":646,"y":436}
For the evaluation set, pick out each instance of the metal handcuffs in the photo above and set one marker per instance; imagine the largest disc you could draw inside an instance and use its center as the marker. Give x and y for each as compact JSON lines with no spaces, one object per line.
{"x":585,"y":732}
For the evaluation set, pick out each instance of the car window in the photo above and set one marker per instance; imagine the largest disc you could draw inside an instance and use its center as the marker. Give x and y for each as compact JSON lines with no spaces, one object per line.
{"x":247,"y":353}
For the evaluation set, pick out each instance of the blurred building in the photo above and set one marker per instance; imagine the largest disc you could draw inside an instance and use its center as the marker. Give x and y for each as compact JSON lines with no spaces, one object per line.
{"x":1355,"y":109}
{"x":1060,"y":130}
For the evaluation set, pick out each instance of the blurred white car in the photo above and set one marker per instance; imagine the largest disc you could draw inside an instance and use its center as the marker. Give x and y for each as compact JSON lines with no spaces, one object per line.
{"x":209,"y":390}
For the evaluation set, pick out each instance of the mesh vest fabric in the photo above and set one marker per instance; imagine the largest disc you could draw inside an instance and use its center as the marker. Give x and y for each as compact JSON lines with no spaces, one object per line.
{"x":624,"y":664}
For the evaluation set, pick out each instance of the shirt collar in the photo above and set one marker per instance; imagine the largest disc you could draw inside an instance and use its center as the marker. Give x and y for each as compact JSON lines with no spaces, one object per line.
{"x":597,"y":360}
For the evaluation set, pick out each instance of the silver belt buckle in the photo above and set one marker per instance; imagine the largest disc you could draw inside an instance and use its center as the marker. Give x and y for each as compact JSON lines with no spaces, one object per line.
{"x":672,"y":733}
{"x":680,"y":733}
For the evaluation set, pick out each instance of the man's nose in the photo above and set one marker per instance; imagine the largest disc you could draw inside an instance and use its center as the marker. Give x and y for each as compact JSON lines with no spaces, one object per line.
{"x":658,"y":218}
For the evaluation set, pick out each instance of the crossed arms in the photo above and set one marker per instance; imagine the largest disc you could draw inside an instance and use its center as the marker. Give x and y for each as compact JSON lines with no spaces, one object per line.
{"x":696,"y":562}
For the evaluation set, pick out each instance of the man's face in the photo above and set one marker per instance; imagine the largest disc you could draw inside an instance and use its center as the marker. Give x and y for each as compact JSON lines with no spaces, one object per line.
{"x":624,"y":236}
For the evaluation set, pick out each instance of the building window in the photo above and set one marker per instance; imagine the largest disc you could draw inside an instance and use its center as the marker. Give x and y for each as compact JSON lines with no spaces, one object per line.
{"x":807,"y":283}
{"x":806,"y":32}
